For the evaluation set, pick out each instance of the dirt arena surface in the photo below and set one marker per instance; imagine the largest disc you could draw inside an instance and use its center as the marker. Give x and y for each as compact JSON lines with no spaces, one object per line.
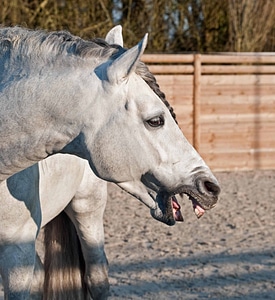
{"x":227,"y":254}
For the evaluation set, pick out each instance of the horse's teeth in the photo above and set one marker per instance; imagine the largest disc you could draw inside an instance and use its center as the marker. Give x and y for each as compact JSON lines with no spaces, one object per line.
{"x":198,"y":212}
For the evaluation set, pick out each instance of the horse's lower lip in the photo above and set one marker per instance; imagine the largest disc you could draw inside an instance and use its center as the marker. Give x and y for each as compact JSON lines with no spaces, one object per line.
{"x":163,"y":211}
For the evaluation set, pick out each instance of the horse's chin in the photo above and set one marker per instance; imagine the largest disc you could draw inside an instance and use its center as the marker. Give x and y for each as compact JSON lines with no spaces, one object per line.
{"x":167,"y":209}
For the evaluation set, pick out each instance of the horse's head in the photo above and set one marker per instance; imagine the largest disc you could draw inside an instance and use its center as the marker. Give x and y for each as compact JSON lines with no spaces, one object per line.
{"x":64,"y":94}
{"x":138,"y":145}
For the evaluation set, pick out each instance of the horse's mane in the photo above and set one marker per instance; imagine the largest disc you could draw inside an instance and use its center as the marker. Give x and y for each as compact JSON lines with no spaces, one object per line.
{"x":51,"y":45}
{"x":143,"y":71}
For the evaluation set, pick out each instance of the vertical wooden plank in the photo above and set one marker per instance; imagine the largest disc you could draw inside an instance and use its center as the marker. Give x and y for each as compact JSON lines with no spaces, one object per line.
{"x":196,"y":102}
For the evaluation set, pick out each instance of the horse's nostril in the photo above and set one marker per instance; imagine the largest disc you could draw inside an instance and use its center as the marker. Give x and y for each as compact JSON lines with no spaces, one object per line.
{"x":212,"y":188}
{"x":207,"y":186}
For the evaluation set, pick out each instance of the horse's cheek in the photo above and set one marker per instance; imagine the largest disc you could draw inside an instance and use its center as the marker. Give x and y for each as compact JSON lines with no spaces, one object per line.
{"x":109,"y":157}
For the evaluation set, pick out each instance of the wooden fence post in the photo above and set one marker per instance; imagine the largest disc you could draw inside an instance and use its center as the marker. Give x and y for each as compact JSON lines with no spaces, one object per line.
{"x":196,"y":101}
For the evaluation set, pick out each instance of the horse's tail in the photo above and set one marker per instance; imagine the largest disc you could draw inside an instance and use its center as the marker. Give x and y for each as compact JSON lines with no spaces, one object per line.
{"x":64,"y":263}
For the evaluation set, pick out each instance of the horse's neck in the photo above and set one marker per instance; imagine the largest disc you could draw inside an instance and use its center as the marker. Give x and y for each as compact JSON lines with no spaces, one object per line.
{"x":19,"y":149}
{"x":42,"y":114}
{"x":28,"y":135}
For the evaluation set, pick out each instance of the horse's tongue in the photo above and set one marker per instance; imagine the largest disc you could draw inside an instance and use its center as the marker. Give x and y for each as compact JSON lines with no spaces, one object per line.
{"x":176,"y":210}
{"x":198,"y":210}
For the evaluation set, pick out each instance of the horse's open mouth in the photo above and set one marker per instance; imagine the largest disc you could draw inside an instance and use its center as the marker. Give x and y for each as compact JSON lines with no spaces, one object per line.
{"x":198,"y":209}
{"x":169,"y":209}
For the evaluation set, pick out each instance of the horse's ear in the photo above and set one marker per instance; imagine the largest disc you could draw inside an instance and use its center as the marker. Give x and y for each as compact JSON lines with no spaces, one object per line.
{"x":126,"y":63}
{"x":114,"y":36}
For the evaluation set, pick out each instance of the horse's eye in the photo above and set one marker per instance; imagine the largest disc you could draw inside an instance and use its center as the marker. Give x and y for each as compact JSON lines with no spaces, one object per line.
{"x":156,"y":121}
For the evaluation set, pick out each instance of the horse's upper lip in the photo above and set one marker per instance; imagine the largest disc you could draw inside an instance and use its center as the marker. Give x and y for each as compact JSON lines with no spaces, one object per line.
{"x":204,"y":200}
{"x":200,"y":200}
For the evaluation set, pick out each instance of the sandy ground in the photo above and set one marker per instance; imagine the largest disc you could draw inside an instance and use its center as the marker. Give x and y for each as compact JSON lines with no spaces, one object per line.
{"x":227,"y":254}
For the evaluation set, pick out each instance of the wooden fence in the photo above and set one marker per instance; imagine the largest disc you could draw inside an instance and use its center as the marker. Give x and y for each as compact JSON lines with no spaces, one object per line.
{"x":225,"y":105}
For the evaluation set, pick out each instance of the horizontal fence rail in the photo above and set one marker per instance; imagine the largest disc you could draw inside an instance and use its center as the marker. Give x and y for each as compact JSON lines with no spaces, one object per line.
{"x":225,"y":105}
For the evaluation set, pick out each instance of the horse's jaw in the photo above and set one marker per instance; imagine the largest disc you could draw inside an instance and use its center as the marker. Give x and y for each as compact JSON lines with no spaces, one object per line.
{"x":163,"y":207}
{"x":139,"y":191}
{"x":202,"y":190}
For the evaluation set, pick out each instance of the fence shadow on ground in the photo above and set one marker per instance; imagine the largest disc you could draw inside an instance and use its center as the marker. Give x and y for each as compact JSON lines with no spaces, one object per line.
{"x":249,"y":275}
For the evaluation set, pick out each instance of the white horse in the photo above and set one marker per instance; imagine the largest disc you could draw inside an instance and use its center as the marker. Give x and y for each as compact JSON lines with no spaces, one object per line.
{"x":64,"y":182}
{"x":62,"y":94}
{"x":59,"y":178}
